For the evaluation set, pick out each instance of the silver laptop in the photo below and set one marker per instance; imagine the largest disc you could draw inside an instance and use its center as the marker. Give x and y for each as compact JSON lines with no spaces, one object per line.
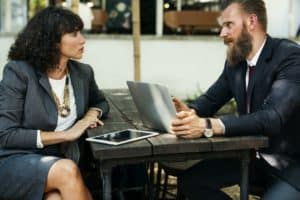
{"x":154,"y":104}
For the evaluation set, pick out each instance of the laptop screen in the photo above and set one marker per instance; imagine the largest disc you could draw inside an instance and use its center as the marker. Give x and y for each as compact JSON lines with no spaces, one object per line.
{"x":154,"y":104}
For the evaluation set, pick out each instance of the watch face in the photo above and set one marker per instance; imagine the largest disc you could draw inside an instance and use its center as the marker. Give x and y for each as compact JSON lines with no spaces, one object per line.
{"x":208,"y":133}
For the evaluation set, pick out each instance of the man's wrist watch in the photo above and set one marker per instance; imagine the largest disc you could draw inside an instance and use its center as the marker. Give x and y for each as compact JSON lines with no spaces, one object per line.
{"x":208,"y":131}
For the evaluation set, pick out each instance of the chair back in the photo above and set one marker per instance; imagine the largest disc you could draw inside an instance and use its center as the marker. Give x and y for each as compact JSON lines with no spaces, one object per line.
{"x":205,"y":20}
{"x":100,"y":19}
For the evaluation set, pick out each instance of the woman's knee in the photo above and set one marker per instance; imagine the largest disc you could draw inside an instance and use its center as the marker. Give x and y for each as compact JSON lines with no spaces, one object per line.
{"x":53,"y":195}
{"x":68,"y":169}
{"x":62,"y":172}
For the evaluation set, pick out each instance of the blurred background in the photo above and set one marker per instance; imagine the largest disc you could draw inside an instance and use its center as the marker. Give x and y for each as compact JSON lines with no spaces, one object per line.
{"x":180,"y":47}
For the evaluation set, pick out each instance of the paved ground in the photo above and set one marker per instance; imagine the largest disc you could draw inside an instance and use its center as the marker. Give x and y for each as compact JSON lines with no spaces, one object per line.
{"x":94,"y":185}
{"x":233,"y":192}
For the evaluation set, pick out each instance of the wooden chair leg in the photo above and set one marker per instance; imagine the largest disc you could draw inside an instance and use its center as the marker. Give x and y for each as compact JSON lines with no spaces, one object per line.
{"x":158,"y":182}
{"x":150,"y":181}
{"x":165,"y":186}
{"x":179,"y":195}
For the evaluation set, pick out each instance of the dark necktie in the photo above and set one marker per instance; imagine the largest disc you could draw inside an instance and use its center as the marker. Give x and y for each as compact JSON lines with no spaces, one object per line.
{"x":248,"y":99}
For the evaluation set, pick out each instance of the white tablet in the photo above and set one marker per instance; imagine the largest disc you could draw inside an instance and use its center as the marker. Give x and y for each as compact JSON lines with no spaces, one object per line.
{"x":122,"y":136}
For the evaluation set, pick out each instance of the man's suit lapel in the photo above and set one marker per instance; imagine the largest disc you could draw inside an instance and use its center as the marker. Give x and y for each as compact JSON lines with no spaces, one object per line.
{"x":259,"y":73}
{"x":78,"y":87}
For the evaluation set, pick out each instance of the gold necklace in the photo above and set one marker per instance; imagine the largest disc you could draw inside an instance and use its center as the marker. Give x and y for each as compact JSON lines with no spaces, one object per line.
{"x":63,"y":109}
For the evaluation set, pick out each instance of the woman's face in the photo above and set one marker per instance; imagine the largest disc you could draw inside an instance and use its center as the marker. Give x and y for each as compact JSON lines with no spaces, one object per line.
{"x":72,"y":45}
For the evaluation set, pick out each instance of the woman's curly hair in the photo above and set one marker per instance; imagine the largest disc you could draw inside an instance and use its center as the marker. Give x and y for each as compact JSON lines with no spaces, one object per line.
{"x":38,"y":42}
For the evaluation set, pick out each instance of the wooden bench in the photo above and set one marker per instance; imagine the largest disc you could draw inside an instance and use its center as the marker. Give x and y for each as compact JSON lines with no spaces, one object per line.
{"x":191,"y":20}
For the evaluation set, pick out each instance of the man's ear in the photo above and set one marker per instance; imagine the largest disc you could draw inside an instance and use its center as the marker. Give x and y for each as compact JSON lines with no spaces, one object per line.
{"x":252,"y":22}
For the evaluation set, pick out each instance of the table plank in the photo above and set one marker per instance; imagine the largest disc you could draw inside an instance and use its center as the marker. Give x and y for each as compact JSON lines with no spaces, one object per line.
{"x":123,"y":102}
{"x":170,"y":144}
{"x":121,"y":99}
{"x":238,"y":143}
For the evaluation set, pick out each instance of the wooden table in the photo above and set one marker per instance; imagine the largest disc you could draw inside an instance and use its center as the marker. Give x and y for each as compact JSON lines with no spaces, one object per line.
{"x":165,"y":147}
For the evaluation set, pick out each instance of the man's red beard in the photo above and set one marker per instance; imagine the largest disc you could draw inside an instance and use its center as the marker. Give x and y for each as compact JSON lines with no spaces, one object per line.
{"x":240,"y":48}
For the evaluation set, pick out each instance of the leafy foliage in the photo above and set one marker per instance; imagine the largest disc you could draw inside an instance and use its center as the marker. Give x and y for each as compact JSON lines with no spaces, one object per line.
{"x":228,"y":108}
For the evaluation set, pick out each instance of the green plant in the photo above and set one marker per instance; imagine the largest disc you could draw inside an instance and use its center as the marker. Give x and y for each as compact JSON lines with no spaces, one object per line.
{"x":192,"y":97}
{"x":228,"y":108}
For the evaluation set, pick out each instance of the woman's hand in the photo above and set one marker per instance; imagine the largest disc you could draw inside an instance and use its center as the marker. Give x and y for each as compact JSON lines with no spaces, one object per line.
{"x":92,"y":116}
{"x":188,"y":125}
{"x":90,"y":120}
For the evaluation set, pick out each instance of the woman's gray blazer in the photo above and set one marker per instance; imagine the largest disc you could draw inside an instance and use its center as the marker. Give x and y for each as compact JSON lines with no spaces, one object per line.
{"x":26,"y":104}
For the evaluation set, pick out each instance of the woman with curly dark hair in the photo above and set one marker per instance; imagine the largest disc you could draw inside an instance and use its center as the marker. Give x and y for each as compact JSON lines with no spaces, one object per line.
{"x":47,"y":101}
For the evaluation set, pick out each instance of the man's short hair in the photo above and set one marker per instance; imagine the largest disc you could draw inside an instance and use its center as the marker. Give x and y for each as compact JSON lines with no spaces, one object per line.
{"x":256,"y":7}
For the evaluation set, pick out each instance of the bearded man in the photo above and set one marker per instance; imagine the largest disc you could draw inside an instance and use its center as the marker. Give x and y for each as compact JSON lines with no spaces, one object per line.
{"x":262,"y":74}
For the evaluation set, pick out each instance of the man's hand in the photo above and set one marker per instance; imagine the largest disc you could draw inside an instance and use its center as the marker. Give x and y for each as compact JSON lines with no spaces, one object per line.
{"x":179,"y":105}
{"x":188,"y":125}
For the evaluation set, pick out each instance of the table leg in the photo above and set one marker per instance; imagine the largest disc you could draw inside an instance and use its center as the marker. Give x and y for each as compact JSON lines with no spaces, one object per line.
{"x":151,"y":181}
{"x":245,"y":177}
{"x":106,"y":183}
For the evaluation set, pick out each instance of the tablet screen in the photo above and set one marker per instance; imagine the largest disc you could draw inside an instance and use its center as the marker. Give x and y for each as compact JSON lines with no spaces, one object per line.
{"x":123,"y":136}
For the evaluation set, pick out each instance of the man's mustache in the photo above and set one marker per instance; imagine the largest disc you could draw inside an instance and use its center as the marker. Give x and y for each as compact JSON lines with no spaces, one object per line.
{"x":227,"y":41}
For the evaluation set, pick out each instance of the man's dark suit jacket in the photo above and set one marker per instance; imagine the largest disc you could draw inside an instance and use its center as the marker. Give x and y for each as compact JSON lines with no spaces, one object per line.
{"x":275,"y":98}
{"x":27,"y":105}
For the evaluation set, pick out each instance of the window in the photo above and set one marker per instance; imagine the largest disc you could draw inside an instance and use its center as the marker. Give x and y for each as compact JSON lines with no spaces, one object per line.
{"x":13,"y":15}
